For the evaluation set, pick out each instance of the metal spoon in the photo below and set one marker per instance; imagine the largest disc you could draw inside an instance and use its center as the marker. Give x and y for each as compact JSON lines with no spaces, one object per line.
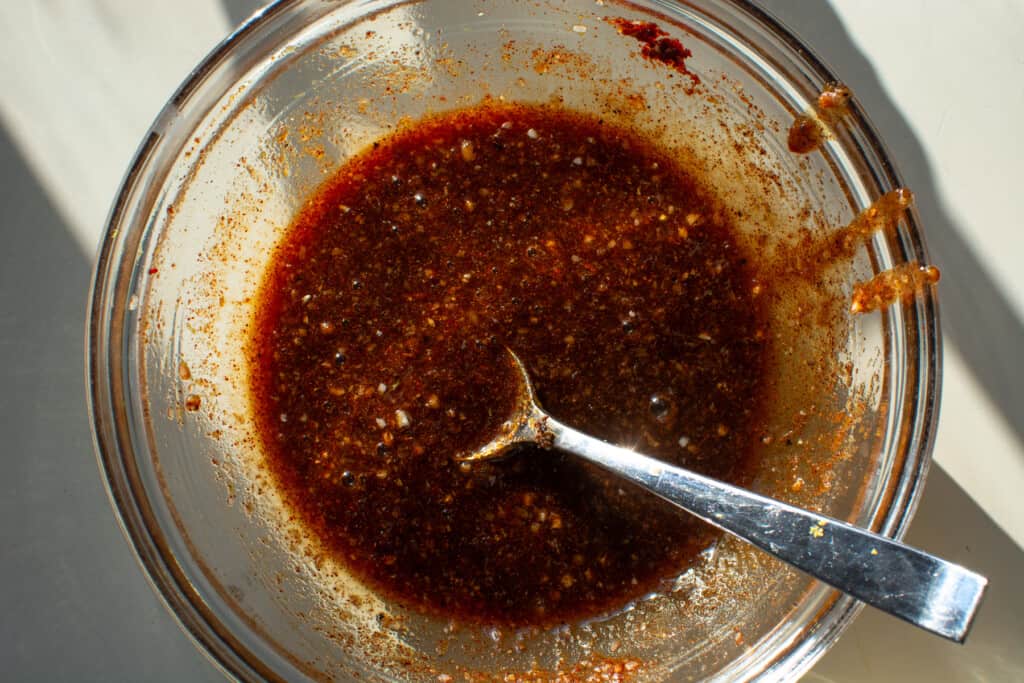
{"x":926,"y":591}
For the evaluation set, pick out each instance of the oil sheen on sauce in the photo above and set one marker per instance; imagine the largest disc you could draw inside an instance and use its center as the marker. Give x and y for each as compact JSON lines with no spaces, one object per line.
{"x":379,"y":353}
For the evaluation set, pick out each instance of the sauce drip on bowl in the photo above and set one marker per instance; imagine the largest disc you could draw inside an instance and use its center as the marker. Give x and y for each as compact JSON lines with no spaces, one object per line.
{"x":378,"y":354}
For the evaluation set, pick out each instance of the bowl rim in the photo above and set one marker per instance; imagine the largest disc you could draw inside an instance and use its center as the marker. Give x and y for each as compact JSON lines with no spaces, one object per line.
{"x":106,"y":326}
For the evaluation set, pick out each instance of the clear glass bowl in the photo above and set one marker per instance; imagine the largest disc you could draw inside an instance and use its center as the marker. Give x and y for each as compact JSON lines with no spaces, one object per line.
{"x":306,"y":84}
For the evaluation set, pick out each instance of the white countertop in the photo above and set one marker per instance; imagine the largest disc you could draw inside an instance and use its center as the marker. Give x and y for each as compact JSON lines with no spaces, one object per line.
{"x":81,"y":80}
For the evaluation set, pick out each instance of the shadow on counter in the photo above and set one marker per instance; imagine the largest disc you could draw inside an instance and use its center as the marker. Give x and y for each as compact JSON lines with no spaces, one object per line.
{"x":878,"y":647}
{"x":76,"y":605}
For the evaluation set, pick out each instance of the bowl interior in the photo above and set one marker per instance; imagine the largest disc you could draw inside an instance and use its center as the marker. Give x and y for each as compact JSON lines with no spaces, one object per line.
{"x":308,"y":85}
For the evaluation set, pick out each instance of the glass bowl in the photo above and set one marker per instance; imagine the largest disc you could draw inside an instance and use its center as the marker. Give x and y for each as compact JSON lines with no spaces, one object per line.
{"x":306,"y":84}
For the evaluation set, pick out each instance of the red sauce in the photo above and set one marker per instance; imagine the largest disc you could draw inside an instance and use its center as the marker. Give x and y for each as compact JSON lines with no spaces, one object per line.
{"x":656,"y":45}
{"x":379,"y":354}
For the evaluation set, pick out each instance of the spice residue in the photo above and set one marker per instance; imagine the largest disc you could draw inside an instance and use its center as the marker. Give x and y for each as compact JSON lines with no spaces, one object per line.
{"x":810,"y":130}
{"x":808,"y":258}
{"x":902,"y":282}
{"x":596,"y":670}
{"x":656,"y":45}
{"x":883,"y":214}
{"x":380,"y":350}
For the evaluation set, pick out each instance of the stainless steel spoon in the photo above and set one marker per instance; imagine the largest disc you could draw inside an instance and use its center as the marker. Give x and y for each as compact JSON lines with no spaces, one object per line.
{"x":926,"y":591}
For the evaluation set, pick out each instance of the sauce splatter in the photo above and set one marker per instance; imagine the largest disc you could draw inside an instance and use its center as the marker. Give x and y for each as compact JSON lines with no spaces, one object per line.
{"x":656,"y":45}
{"x":810,"y":130}
{"x":379,"y":355}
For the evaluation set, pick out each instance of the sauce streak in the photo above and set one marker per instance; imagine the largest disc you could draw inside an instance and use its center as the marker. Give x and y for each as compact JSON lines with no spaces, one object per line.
{"x":888,"y":287}
{"x":812,"y":255}
{"x":379,"y":354}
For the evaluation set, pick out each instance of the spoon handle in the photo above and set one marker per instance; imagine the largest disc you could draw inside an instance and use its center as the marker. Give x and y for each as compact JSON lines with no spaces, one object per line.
{"x":926,"y":591}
